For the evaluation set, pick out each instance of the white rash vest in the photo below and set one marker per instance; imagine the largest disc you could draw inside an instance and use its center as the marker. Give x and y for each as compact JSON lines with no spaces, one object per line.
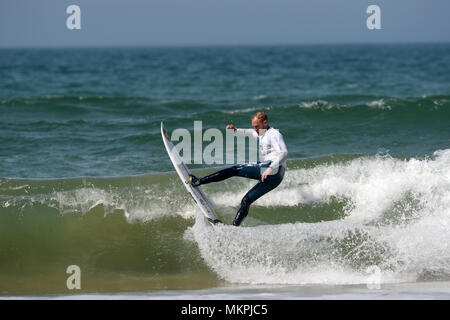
{"x":271,"y":145}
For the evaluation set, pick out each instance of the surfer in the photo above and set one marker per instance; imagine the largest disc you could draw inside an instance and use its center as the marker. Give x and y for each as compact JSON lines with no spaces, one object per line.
{"x":269,"y":172}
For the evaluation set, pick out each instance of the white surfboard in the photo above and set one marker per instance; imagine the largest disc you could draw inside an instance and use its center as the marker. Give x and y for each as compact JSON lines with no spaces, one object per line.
{"x":183,"y":172}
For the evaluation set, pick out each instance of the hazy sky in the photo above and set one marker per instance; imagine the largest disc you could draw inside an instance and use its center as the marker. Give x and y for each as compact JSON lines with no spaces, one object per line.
{"x":216,"y":22}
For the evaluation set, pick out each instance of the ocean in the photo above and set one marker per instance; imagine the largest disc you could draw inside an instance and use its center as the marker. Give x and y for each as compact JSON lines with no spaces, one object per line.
{"x":85,"y":180}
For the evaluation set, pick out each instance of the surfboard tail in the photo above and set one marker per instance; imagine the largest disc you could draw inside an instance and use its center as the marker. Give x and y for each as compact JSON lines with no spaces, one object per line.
{"x":214,"y":221}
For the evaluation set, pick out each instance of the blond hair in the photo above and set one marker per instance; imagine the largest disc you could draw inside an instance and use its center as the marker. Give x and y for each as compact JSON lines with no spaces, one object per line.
{"x":261,"y":116}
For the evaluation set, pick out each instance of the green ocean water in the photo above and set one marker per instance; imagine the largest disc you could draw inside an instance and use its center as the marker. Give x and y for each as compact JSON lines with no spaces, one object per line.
{"x":85,"y":179}
{"x":97,"y":112}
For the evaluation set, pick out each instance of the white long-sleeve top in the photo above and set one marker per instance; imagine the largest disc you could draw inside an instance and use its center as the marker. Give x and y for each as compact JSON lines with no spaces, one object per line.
{"x":271,"y":145}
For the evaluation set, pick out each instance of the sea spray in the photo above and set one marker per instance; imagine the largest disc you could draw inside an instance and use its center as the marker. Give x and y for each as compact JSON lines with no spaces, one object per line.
{"x":330,"y":221}
{"x":398,"y":221}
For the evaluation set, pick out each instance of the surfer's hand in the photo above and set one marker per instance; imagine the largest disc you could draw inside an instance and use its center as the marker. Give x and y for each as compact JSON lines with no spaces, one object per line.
{"x":231,"y":126}
{"x":265,"y":174}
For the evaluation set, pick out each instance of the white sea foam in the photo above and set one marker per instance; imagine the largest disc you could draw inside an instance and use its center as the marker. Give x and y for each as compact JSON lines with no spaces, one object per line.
{"x":317,"y":104}
{"x":246,"y":110}
{"x":373,"y":185}
{"x":138,"y":203}
{"x":398,"y":220}
{"x":380,"y":104}
{"x":259,"y":97}
{"x":326,"y":105}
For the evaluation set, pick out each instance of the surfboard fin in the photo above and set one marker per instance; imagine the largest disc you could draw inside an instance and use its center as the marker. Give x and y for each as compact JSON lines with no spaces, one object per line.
{"x":214,"y":221}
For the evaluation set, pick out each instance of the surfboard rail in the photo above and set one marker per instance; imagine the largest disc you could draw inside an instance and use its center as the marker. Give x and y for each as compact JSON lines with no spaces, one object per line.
{"x":183,"y":172}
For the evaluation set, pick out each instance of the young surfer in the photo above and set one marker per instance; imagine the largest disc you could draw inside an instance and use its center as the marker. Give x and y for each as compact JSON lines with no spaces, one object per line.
{"x":269,"y":172}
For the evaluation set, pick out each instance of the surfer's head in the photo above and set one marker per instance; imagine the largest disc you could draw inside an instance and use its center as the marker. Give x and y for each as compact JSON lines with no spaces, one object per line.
{"x":260,"y":121}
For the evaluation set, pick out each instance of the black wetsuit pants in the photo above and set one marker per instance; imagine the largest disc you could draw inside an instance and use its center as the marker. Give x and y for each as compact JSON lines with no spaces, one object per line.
{"x":251,"y":171}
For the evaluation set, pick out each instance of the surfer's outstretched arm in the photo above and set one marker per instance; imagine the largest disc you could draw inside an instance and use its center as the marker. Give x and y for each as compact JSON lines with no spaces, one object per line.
{"x":243,"y":132}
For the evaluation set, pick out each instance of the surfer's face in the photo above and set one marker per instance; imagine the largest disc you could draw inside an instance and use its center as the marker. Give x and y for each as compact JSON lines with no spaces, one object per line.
{"x":258,"y":124}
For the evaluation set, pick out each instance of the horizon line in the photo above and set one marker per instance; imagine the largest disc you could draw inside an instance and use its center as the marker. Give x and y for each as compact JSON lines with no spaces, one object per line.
{"x":202,"y":45}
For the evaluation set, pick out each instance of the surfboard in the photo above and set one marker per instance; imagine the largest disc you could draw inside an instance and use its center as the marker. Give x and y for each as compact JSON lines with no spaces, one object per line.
{"x":183,"y":172}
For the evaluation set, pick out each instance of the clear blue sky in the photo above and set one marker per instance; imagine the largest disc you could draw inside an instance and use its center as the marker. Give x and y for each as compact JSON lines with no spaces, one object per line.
{"x":220,"y":22}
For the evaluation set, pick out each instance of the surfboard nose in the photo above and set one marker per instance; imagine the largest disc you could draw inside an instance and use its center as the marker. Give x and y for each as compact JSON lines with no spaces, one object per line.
{"x":163,"y":131}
